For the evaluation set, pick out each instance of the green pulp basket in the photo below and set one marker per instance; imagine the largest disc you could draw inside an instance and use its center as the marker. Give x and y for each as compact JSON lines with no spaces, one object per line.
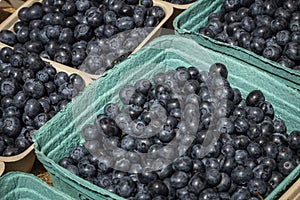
{"x":195,"y":17}
{"x":54,"y":139}
{"x":19,"y":185}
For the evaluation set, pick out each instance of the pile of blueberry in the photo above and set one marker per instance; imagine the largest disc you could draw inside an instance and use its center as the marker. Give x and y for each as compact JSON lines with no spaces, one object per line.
{"x":270,"y":28}
{"x":113,"y":50}
{"x":67,"y":30}
{"x":239,"y":151}
{"x":31,"y":93}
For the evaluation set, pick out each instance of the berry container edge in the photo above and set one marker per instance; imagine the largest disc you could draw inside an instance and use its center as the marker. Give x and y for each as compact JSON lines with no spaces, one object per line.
{"x":13,"y":18}
{"x":24,"y":161}
{"x":188,"y":23}
{"x":63,"y":130}
{"x":18,"y":185}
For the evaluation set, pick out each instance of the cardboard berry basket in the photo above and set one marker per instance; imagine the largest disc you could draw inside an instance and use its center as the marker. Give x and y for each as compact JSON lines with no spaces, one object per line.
{"x":191,"y":20}
{"x":18,"y":185}
{"x":24,"y":161}
{"x":292,"y":193}
{"x":11,"y":20}
{"x":164,"y":53}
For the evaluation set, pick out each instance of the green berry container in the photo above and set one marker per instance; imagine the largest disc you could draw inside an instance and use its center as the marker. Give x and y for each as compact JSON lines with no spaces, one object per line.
{"x":195,"y":17}
{"x":53,"y":141}
{"x":19,"y":185}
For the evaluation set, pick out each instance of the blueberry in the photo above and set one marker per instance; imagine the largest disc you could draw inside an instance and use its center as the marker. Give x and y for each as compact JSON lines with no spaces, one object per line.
{"x":254,"y":98}
{"x":241,"y":157}
{"x":293,"y":139}
{"x":5,"y":54}
{"x":82,"y":5}
{"x":215,"y":26}
{"x":286,"y":62}
{"x":77,"y":153}
{"x":254,"y":150}
{"x":290,"y":5}
{"x":34,"y":88}
{"x":292,"y":51}
{"x":151,"y":21}
{"x":142,"y":145}
{"x":86,"y":170}
{"x":183,"y":164}
{"x":270,"y":150}
{"x":147,"y":3}
{"x":295,"y":37}
{"x":139,"y":16}
{"x":147,"y":177}
{"x":158,"y":187}
{"x":11,"y":126}
{"x":9,"y":87}
{"x":197,"y":183}
{"x":50,"y":87}
{"x":126,"y":10}
{"x":262,"y":171}
{"x":256,"y":8}
{"x":241,"y":193}
{"x":109,"y":127}
{"x":257,"y":45}
{"x":63,"y":56}
{"x":179,"y":179}
{"x":34,"y":62}
{"x":241,"y":175}
{"x":40,"y":120}
{"x":286,"y":166}
{"x":209,"y":193}
{"x":69,"y":8}
{"x":70,"y":22}
{"x":23,"y":35}
{"x":126,"y":187}
{"x":267,"y":129}
{"x":279,"y":126}
{"x":110,"y":30}
{"x":225,"y":183}
{"x":281,"y":12}
{"x":11,"y":111}
{"x":83,"y":32}
{"x":275,"y":179}
{"x":267,"y":108}
{"x":16,"y":60}
{"x":94,"y":19}
{"x":263,"y":20}
{"x":218,"y":69}
{"x":66,"y":36}
{"x":7,"y":37}
{"x":10,"y":151}
{"x":21,"y":143}
{"x":241,"y":125}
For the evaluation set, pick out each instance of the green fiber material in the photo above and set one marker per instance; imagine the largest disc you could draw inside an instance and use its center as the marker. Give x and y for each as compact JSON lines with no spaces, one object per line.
{"x":18,"y":185}
{"x":56,"y":137}
{"x":195,"y":17}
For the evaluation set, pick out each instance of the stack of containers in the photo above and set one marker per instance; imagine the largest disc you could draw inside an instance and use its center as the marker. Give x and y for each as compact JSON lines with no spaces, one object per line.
{"x":63,"y":132}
